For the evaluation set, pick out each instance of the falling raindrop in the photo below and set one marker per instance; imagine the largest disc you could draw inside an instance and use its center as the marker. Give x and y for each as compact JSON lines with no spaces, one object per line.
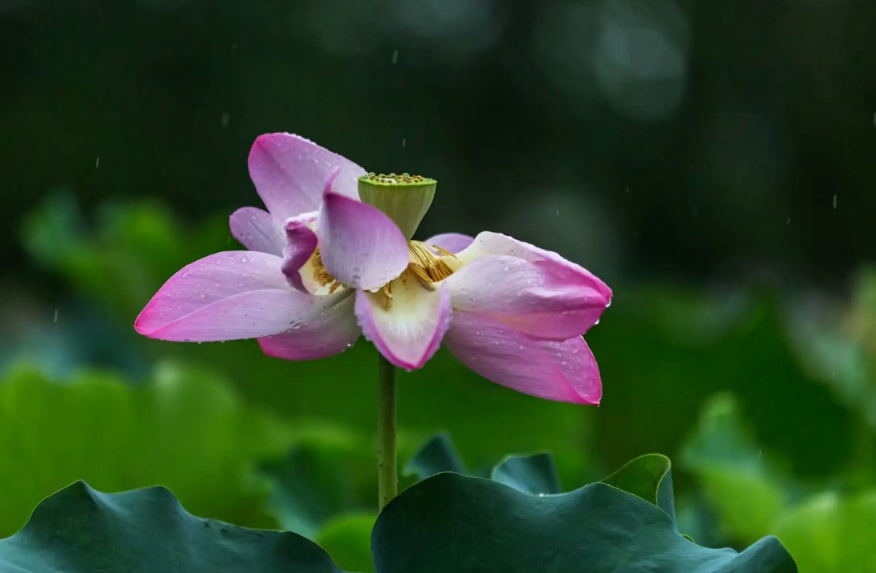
{"x":394,"y":56}
{"x":789,"y":221}
{"x":558,"y":212}
{"x":404,"y":140}
{"x":234,"y":47}
{"x":834,"y":201}
{"x":97,"y":162}
{"x":225,"y":119}
{"x":56,"y":315}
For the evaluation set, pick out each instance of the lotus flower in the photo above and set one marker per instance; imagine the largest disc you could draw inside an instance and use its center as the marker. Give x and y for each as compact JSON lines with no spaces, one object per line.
{"x":324,"y":267}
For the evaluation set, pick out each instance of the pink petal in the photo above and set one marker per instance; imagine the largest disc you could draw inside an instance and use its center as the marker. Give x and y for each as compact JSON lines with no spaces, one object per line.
{"x":329,"y":333}
{"x":257,"y":231}
{"x":360,"y":246}
{"x":451,"y":242}
{"x":289,"y":171}
{"x":563,"y":371}
{"x":487,"y":244}
{"x":227,"y":296}
{"x":410,"y":331}
{"x":301,"y":242}
{"x":535,"y":298}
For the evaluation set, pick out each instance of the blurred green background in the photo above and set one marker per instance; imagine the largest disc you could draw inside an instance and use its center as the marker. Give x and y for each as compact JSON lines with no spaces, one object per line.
{"x":712,"y":162}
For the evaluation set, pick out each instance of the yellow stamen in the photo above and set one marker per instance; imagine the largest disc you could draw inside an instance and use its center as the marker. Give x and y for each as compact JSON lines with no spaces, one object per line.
{"x":320,"y":275}
{"x":428,"y":267}
{"x":423,"y":263}
{"x":387,"y":293}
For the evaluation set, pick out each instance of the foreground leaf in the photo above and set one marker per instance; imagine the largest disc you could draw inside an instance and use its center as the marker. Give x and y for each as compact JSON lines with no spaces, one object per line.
{"x":80,"y":530}
{"x":461,"y":524}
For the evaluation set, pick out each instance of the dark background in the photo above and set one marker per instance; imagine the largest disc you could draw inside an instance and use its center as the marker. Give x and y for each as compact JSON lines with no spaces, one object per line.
{"x":676,"y":138}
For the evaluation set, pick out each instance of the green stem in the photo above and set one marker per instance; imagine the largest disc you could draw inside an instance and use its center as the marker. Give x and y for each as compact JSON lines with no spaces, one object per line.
{"x":387,"y":473}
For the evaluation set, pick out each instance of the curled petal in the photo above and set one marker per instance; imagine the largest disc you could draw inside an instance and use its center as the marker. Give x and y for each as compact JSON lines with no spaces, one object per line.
{"x":330,"y":332}
{"x":535,"y":298}
{"x":227,"y":296}
{"x":257,"y":231}
{"x":487,"y":244}
{"x":409,"y":331}
{"x":563,"y":371}
{"x":450,"y":242}
{"x":360,"y":246}
{"x":301,"y":242}
{"x":289,"y":171}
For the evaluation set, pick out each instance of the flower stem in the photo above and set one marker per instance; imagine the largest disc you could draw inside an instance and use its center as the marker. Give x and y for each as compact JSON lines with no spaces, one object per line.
{"x":387,"y":472}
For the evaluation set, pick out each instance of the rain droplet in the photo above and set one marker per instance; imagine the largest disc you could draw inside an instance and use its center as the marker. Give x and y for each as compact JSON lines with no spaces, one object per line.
{"x":394,"y":56}
{"x":225,"y":119}
{"x":244,"y":260}
{"x":789,"y":221}
{"x":834,"y":201}
{"x":97,"y":162}
{"x":56,"y":315}
{"x":558,"y":212}
{"x":404,"y":140}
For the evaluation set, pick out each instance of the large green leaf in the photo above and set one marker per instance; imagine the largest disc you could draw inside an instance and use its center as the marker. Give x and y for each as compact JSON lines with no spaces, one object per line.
{"x":832,"y":533}
{"x":463,"y":524}
{"x":80,"y":530}
{"x":185,"y":429}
